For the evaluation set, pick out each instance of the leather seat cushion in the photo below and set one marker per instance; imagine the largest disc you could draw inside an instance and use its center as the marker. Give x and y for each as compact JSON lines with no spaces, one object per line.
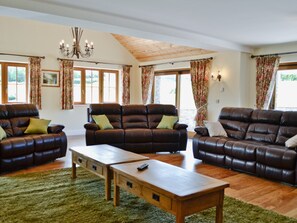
{"x":214,"y":145}
{"x":277,"y":156}
{"x":243,"y":149}
{"x":165,"y":135}
{"x":45,"y":142}
{"x":16,"y":146}
{"x":138,"y":135}
{"x":109,"y":136}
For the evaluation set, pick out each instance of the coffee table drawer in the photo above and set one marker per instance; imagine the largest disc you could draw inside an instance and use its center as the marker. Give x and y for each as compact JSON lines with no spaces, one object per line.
{"x":95,"y":167}
{"x":129,"y":185}
{"x":157,"y":199}
{"x":80,"y":160}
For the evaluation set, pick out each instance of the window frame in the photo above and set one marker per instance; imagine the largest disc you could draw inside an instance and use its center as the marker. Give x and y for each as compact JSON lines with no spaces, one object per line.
{"x":4,"y":80}
{"x":101,"y":84}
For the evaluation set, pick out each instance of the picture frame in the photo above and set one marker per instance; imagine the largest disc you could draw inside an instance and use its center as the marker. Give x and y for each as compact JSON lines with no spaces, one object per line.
{"x":50,"y":78}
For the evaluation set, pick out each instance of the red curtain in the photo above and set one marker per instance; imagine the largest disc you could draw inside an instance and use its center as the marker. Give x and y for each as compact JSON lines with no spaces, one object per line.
{"x":66,"y":80}
{"x":35,"y":81}
{"x":126,"y":85}
{"x":147,"y":78}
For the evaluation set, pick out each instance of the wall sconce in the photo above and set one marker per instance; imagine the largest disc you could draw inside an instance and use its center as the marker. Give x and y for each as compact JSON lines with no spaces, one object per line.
{"x":219,"y":76}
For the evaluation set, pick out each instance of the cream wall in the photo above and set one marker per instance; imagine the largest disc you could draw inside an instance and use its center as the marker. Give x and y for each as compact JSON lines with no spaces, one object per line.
{"x":37,"y":38}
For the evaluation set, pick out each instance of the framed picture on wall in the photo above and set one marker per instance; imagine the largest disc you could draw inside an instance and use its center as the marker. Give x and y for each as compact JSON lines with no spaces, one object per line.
{"x":50,"y":78}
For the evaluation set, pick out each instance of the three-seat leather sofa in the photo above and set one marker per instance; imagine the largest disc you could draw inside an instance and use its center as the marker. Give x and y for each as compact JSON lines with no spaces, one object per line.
{"x":21,"y":150}
{"x":255,"y":143}
{"x":135,"y":128}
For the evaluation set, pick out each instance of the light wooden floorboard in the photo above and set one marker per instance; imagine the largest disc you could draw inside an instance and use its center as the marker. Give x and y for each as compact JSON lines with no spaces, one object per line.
{"x":264,"y":193}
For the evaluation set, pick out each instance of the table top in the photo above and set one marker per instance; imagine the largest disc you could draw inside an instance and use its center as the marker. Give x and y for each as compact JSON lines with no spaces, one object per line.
{"x":107,"y":154}
{"x":174,"y":181}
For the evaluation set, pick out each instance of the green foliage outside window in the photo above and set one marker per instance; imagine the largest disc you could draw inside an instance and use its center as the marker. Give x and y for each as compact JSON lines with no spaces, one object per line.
{"x":289,"y":77}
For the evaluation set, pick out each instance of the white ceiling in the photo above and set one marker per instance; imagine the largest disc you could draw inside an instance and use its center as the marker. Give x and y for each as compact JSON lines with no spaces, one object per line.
{"x":208,"y":24}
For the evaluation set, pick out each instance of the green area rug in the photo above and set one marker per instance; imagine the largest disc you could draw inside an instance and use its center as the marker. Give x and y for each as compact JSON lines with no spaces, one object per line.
{"x":53,"y":196}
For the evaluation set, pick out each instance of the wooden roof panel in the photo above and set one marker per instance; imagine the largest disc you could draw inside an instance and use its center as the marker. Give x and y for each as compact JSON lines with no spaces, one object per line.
{"x":148,"y":50}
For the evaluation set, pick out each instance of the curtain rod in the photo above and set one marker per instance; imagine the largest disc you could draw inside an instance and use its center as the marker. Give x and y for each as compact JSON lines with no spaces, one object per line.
{"x":21,"y":55}
{"x":274,"y":54}
{"x":173,"y":62}
{"x":96,"y":62}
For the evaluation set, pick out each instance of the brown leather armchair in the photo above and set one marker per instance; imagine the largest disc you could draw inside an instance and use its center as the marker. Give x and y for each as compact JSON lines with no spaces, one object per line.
{"x":135,"y":128}
{"x":21,"y":150}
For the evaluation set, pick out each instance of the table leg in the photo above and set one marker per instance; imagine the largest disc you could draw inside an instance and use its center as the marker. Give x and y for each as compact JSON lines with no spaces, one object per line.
{"x":73,"y":170}
{"x":116,"y":191}
{"x":180,"y":217}
{"x":107,"y":183}
{"x":219,"y":208}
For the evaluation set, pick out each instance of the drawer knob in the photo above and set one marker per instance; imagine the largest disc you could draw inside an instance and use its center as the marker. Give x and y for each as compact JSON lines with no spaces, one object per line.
{"x":156,"y":197}
{"x":94,"y":167}
{"x":80,"y":160}
{"x":129,"y":184}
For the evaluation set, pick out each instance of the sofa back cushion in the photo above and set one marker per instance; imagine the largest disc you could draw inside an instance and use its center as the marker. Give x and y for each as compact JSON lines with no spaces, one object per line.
{"x":288,"y":127}
{"x":19,"y":115}
{"x":156,"y":111}
{"x":264,"y":126}
{"x":113,"y":112}
{"x":134,"y":116}
{"x":4,"y":121}
{"x":235,"y":121}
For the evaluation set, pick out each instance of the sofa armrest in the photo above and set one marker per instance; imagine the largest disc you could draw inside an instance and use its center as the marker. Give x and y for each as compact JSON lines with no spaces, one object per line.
{"x":201,"y":130}
{"x":55,"y":128}
{"x":179,"y":126}
{"x":91,"y":126}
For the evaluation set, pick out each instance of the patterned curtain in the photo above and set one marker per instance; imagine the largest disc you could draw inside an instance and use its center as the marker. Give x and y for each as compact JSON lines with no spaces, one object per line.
{"x":265,"y":82}
{"x":147,"y":77}
{"x":126,"y":85}
{"x":35,"y":81}
{"x":200,"y":71}
{"x":66,"y":81}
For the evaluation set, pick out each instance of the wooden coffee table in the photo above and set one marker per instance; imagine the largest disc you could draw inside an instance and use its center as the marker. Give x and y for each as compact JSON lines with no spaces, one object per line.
{"x":98,"y":159}
{"x":170,"y":188}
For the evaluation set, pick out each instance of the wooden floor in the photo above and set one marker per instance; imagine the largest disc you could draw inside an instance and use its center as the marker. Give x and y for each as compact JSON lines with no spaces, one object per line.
{"x":264,"y":193}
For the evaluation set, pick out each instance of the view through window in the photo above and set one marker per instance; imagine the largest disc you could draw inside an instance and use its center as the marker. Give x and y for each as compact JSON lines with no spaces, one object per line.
{"x":174,"y":87}
{"x":285,"y":91}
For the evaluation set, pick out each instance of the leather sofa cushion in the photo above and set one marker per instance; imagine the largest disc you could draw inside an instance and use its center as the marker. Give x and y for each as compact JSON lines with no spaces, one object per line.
{"x":266,"y":116}
{"x":235,"y":129}
{"x":156,"y":112}
{"x":243,"y":149}
{"x":262,"y":132}
{"x":19,"y":125}
{"x":289,"y":118}
{"x":138,"y":135}
{"x":16,"y":146}
{"x":109,"y":136}
{"x":46,"y":142}
{"x":277,"y":156}
{"x":165,"y":135}
{"x":213,"y":145}
{"x":134,"y":116}
{"x":284,"y":133}
{"x":112,"y":111}
{"x":22,"y":110}
{"x":5,"y":124}
{"x":236,"y":114}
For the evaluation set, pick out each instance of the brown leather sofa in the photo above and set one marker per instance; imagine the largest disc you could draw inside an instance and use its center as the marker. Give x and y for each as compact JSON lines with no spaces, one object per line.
{"x":255,"y":143}
{"x":21,"y":150}
{"x":135,"y":128}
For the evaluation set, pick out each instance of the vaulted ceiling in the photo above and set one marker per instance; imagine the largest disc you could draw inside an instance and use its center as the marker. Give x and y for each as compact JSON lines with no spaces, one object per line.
{"x":149,"y":50}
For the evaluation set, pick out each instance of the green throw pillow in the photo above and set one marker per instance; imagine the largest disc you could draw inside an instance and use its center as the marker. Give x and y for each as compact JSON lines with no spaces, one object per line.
{"x":167,"y":122}
{"x":37,"y":126}
{"x":102,"y":121}
{"x":2,"y":133}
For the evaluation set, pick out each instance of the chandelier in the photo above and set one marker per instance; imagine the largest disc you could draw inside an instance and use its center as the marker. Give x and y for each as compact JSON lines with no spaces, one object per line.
{"x":76,"y":49}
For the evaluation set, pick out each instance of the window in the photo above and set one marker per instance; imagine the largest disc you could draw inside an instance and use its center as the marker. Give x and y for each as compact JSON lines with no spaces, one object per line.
{"x":285,"y":88}
{"x":14,"y":82}
{"x":174,"y":87}
{"x":95,"y":85}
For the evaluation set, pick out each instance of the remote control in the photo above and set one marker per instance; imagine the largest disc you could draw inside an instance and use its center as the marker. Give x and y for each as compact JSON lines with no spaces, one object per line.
{"x":143,"y":166}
